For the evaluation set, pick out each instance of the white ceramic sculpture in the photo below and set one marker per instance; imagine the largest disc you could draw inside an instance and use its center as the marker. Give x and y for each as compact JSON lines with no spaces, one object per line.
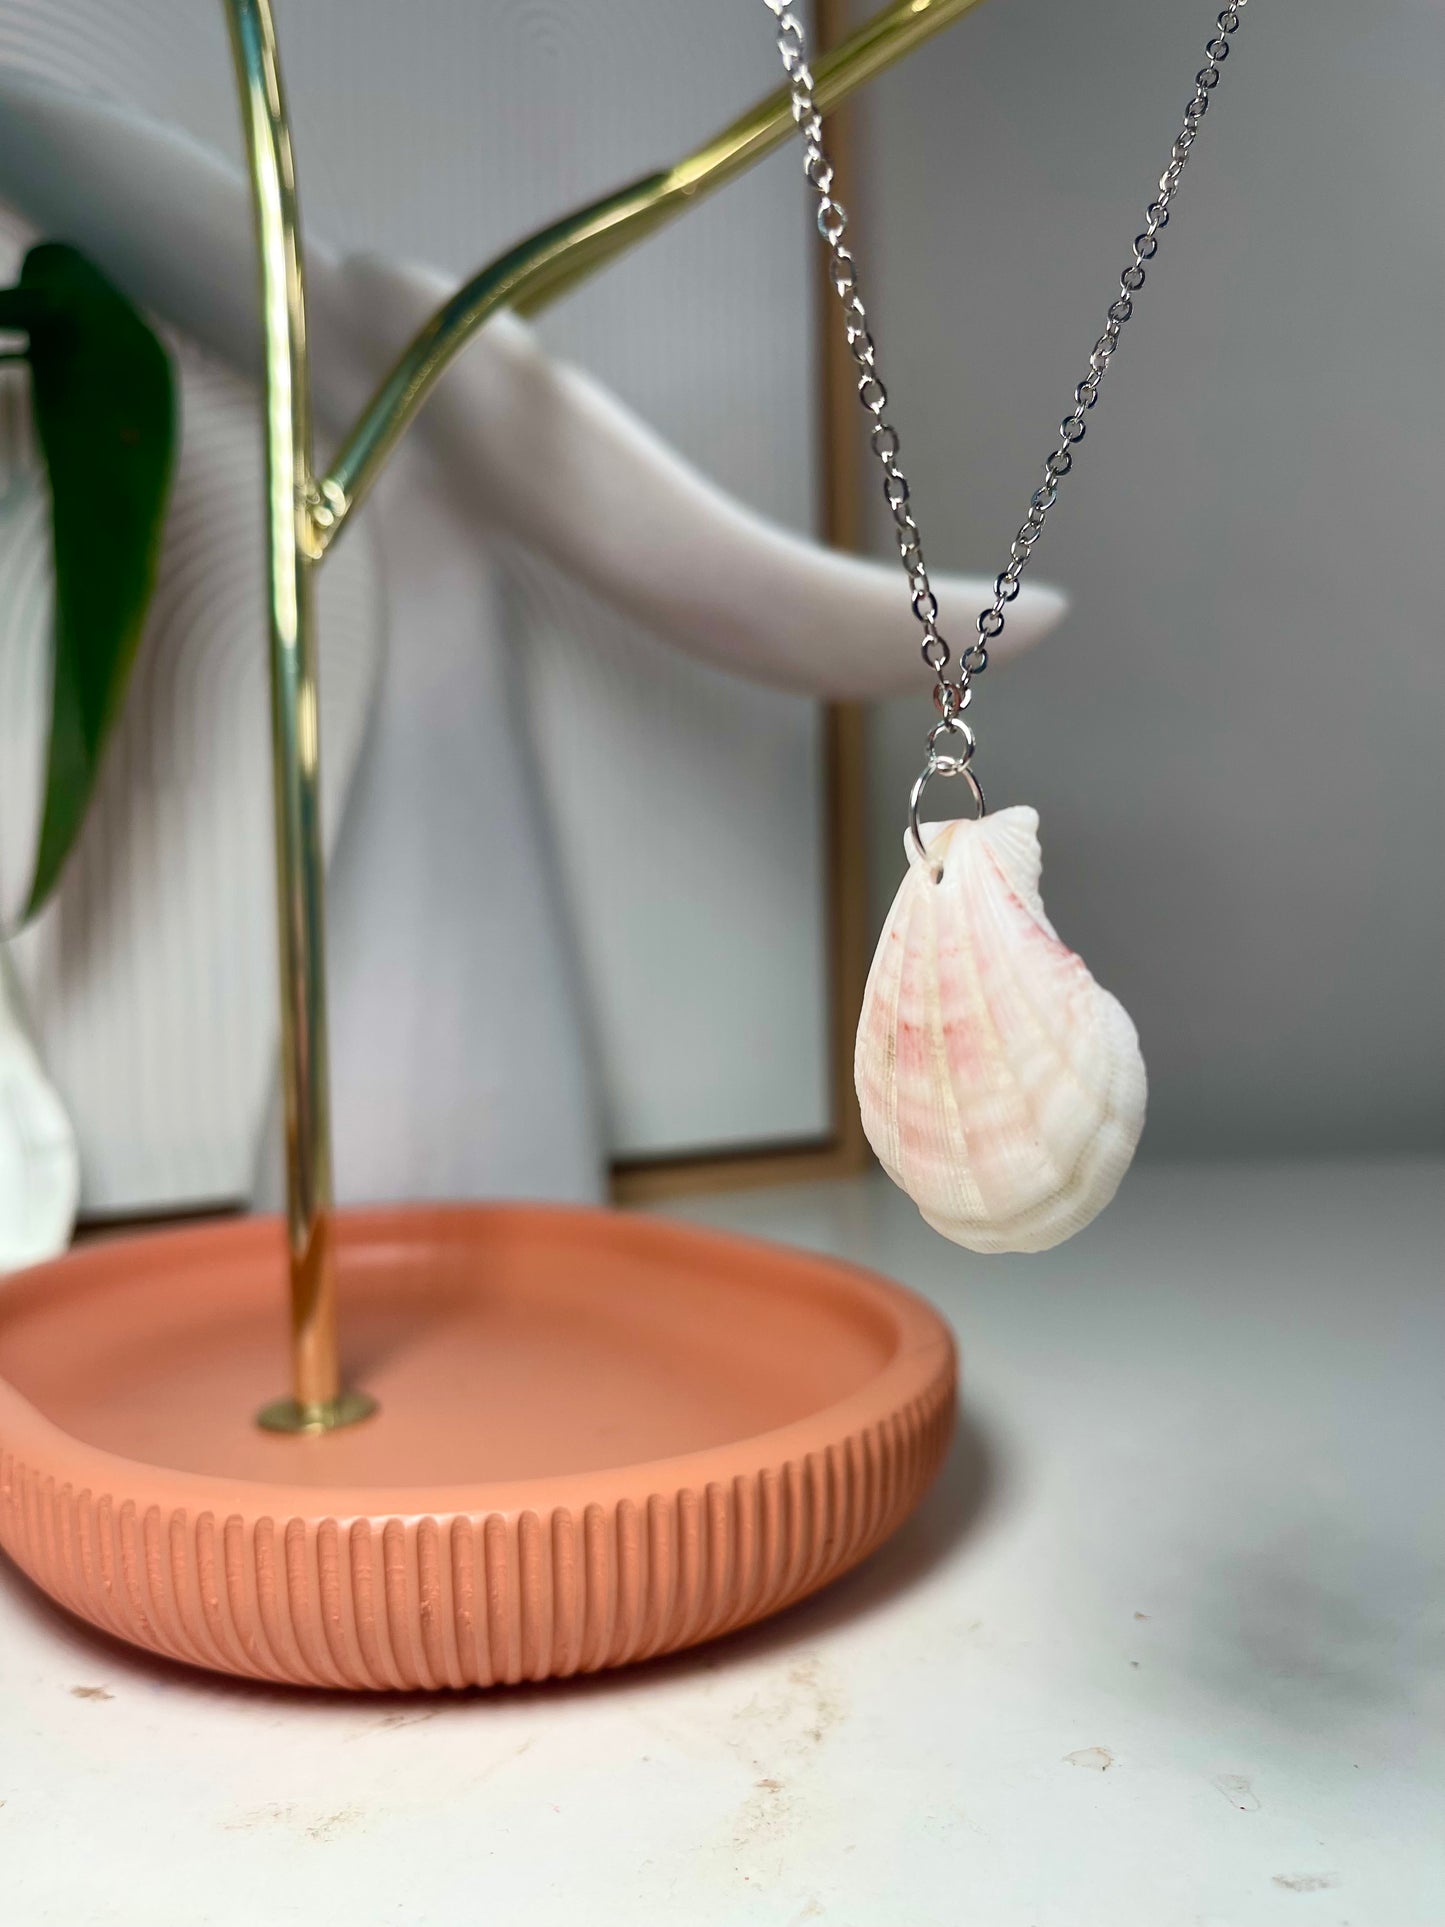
{"x":514,"y":442}
{"x":39,"y":1168}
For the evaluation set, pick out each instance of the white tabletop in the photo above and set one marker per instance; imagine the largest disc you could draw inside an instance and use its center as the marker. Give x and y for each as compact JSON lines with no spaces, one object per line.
{"x":1157,"y":1652}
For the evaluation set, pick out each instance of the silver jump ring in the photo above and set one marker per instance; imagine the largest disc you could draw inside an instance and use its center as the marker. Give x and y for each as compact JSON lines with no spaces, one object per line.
{"x":951,"y":764}
{"x":940,"y":766}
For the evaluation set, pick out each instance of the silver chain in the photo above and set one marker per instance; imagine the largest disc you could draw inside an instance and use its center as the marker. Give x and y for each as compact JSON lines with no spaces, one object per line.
{"x":952,"y":694}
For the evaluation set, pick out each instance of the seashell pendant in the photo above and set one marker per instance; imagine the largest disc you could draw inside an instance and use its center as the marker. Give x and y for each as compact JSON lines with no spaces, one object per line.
{"x":1000,"y":1086}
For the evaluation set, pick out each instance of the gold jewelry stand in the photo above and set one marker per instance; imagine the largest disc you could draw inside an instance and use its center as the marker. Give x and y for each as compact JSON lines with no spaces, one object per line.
{"x":305,"y":516}
{"x":591,"y":1437}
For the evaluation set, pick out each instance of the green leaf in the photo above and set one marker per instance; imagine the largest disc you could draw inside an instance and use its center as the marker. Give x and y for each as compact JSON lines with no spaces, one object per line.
{"x":104,"y":406}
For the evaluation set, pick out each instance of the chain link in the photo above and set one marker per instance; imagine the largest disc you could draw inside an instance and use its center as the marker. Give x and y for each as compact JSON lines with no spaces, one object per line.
{"x":952,"y":694}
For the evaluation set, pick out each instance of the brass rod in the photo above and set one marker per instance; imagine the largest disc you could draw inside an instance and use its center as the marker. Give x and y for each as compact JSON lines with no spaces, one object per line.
{"x":295,"y":733}
{"x":554,"y":259}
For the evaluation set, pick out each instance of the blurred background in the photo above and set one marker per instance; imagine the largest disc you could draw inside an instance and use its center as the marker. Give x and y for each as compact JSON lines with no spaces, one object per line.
{"x":680,"y":810}
{"x":1233,"y":739}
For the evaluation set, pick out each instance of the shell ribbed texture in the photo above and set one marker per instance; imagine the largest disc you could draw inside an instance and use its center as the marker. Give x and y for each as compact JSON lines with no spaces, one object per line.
{"x":1000,"y":1086}
{"x":470,"y":1599}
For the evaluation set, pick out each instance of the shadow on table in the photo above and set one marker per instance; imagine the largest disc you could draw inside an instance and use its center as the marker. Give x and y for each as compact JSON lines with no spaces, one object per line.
{"x":959,"y":1497}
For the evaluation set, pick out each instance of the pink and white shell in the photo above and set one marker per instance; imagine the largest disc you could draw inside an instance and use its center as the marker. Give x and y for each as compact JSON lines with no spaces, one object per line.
{"x":1000,"y":1086}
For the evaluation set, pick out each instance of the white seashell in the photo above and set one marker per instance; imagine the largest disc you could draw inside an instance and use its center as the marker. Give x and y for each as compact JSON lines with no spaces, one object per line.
{"x":1000,"y":1086}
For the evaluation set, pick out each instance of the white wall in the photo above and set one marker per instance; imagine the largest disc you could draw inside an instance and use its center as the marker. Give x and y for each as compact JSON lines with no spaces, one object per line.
{"x":1235,"y":740}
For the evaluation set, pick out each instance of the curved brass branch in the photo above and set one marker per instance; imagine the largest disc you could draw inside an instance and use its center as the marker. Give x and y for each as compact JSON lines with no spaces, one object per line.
{"x":547,"y":263}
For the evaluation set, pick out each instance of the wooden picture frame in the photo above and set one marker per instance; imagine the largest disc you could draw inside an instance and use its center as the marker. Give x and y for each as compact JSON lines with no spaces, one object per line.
{"x":844,"y":1151}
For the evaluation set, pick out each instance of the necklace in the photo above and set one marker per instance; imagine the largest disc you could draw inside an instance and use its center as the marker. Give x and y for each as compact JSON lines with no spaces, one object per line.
{"x":1000,"y":1086}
